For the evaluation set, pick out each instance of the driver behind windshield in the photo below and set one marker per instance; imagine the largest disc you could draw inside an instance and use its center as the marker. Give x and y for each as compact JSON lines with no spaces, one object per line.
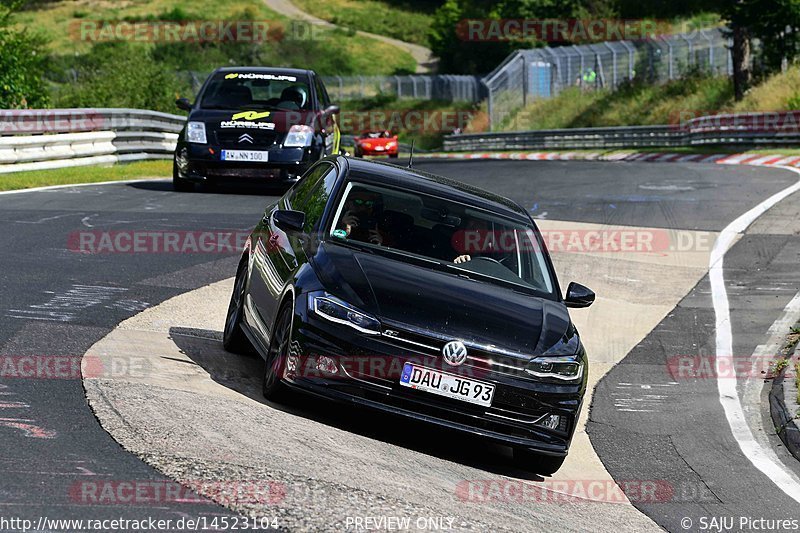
{"x":470,"y":228}
{"x":362,"y":211}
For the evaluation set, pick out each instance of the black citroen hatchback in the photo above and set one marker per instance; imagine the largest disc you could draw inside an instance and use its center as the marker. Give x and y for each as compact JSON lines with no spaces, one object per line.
{"x":255,"y":123}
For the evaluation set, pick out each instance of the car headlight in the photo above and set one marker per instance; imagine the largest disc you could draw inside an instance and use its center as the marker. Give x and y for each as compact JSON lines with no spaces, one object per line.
{"x":299,"y":135}
{"x":335,"y":310}
{"x":196,"y":132}
{"x":391,"y":145}
{"x":565,"y":367}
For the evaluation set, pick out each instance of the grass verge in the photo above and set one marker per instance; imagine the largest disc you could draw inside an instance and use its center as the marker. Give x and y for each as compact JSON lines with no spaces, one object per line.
{"x":408,"y":21}
{"x":66,"y":176}
{"x":669,"y":103}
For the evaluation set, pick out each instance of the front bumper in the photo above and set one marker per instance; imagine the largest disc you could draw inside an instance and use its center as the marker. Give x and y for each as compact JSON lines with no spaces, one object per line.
{"x":519,"y":401}
{"x":376,"y":152}
{"x":202,"y":162}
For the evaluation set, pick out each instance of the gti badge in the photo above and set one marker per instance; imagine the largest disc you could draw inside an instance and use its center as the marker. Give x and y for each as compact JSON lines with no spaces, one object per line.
{"x":455,"y":353}
{"x":246,"y":138}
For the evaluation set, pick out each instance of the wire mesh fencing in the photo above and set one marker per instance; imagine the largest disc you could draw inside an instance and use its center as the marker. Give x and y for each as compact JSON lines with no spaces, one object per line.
{"x":449,"y":88}
{"x":527,"y":75}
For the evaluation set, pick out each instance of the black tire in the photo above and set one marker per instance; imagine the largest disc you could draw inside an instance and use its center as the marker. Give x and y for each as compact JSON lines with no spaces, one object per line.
{"x":546,"y":465}
{"x":233,"y":338}
{"x":272,"y":387}
{"x":393,"y":156}
{"x":180,"y":184}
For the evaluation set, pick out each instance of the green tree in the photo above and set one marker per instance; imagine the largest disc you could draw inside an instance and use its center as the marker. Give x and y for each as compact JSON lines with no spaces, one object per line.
{"x":120,"y":74}
{"x":775,"y":23}
{"x":460,"y":52}
{"x":22,"y":64}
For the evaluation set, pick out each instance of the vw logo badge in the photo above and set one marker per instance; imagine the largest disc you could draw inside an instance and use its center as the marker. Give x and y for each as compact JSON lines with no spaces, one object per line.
{"x":246,"y":138}
{"x":455,"y":353}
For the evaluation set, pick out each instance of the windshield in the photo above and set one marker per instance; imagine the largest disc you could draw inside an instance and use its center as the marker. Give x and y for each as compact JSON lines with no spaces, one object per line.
{"x":256,"y":90}
{"x":465,"y":240}
{"x":376,"y":135}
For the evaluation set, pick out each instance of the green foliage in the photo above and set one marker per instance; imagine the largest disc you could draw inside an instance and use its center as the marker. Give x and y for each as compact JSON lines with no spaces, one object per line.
{"x":632,"y":104}
{"x":404,"y":20}
{"x":176,"y":14}
{"x":767,"y":21}
{"x":22,"y":64}
{"x":461,"y":54}
{"x":121,"y":75}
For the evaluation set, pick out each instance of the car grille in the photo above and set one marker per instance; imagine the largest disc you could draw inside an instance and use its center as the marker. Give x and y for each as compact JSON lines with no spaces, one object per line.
{"x":511,"y":404}
{"x":478,"y":360}
{"x":233,"y":138}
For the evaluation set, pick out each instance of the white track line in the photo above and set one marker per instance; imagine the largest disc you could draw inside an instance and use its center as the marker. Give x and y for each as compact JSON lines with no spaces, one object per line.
{"x":754,"y":382}
{"x":728,"y":394}
{"x":68,"y":186}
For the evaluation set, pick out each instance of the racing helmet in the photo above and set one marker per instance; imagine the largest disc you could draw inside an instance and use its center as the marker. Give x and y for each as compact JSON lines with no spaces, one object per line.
{"x":295,"y":94}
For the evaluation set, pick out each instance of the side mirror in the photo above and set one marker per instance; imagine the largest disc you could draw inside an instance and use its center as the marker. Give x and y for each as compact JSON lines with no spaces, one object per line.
{"x":289,"y":221}
{"x":184,"y":104}
{"x":579,"y":296}
{"x":332,"y":110}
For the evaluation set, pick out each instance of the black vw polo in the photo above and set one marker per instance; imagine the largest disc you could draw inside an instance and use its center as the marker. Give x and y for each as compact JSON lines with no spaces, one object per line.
{"x":255,"y":123}
{"x":414,"y":294}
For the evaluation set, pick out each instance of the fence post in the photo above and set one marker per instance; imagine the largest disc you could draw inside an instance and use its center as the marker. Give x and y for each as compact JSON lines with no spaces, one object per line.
{"x":613,"y":64}
{"x":631,"y":57}
{"x":525,"y":82}
{"x":671,"y":58}
{"x":710,"y":51}
{"x":691,"y":49}
{"x":490,"y":106}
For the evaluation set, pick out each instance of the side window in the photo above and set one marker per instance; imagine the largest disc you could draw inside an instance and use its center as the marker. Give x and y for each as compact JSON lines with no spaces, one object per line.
{"x":318,"y":199}
{"x":322,"y":94}
{"x":298,"y":195}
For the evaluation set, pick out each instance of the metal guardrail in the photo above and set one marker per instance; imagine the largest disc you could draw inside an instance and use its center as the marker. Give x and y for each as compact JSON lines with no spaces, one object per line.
{"x":42,"y":139}
{"x":744,"y":129}
{"x":601,"y":138}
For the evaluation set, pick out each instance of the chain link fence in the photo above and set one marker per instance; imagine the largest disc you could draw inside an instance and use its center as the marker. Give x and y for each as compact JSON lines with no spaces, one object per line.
{"x":527,"y":75}
{"x":449,"y":88}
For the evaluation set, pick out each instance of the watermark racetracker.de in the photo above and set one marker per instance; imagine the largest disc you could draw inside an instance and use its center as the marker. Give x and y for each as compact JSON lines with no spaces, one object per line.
{"x":193,"y":31}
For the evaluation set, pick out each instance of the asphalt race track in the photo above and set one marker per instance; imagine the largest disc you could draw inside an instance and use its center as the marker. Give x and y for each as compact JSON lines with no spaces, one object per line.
{"x":646,"y":423}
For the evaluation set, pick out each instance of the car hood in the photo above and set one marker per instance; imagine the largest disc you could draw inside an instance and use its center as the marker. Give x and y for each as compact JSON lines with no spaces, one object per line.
{"x":255,"y":119}
{"x":400,"y":293}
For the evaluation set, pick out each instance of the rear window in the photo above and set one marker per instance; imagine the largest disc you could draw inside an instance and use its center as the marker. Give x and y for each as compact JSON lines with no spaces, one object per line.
{"x":257,"y":90}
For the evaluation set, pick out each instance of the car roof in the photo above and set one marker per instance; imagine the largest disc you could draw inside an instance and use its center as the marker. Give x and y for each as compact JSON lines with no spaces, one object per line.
{"x":388,"y":174}
{"x":269,"y":70}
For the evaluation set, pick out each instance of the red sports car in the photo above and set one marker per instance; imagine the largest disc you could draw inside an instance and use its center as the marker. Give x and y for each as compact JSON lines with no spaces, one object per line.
{"x":376,"y":143}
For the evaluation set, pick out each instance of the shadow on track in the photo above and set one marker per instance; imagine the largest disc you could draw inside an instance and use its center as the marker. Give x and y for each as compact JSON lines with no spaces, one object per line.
{"x":242,"y":374}
{"x":227,"y":187}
